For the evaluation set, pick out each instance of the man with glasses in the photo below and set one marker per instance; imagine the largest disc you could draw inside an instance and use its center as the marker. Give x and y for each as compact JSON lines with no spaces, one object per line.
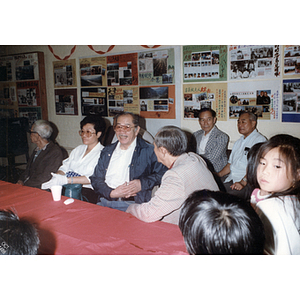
{"x":47,"y":157}
{"x":127,"y":170}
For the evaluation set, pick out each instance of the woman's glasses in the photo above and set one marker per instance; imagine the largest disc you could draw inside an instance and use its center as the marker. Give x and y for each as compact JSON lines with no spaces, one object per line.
{"x":86,"y":133}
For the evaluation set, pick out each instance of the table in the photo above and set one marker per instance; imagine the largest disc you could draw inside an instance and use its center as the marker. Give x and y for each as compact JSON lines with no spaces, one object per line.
{"x":85,"y":228}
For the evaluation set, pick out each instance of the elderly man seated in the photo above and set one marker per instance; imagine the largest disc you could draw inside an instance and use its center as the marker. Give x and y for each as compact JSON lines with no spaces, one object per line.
{"x":187,"y":173}
{"x":45,"y":159}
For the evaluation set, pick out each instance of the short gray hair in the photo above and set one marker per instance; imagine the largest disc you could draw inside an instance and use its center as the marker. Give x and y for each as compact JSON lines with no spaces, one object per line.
{"x":173,"y":139}
{"x":43,"y":128}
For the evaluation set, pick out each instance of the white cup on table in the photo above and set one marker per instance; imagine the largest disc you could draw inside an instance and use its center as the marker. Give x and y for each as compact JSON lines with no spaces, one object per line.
{"x":56,"y":192}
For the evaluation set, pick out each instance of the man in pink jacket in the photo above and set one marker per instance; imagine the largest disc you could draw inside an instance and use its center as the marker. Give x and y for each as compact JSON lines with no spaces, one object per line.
{"x":187,"y":173}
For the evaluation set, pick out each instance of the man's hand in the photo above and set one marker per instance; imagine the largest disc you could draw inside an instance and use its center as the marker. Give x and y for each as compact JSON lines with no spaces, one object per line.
{"x":237,"y":186}
{"x":127,"y":190}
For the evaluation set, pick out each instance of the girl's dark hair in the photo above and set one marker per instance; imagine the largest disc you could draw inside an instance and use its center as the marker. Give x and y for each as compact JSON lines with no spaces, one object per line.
{"x":289,"y":149}
{"x":97,"y":121}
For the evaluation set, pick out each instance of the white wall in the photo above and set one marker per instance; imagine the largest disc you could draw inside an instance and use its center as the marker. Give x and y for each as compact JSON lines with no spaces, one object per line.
{"x":69,"y":125}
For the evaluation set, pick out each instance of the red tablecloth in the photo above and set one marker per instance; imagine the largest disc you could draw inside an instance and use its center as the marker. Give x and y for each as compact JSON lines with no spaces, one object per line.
{"x":84,"y":228}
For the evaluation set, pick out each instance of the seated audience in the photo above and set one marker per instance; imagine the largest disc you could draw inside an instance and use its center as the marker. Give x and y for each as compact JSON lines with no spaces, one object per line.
{"x":187,"y":173}
{"x":233,"y":174}
{"x":45,"y":159}
{"x":276,"y":176}
{"x":17,"y":236}
{"x":127,"y":170}
{"x":220,"y":223}
{"x":211,"y":142}
{"x":82,"y":160}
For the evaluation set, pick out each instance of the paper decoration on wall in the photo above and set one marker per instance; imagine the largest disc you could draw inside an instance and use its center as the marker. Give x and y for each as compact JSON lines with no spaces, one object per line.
{"x":93,"y":71}
{"x":94,"y":101}
{"x":122,"y":69}
{"x":28,"y":93}
{"x":157,"y":102}
{"x":66,"y":102}
{"x":204,"y":63}
{"x":210,"y":95}
{"x":258,"y":97}
{"x":64,"y":73}
{"x":254,"y":62}
{"x":291,"y":100}
{"x":291,"y":65}
{"x":157,"y":67}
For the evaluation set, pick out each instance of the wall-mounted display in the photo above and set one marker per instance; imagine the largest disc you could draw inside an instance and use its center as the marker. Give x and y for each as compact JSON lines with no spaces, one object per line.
{"x":254,"y":62}
{"x":28,"y":93}
{"x":7,"y":68}
{"x":122,"y":69}
{"x":93,"y":71}
{"x":94,"y":101}
{"x":66,"y":102}
{"x":291,"y":65}
{"x":32,"y":113}
{"x":123,"y":99}
{"x":210,"y":95}
{"x":291,"y":100}
{"x":26,"y":66}
{"x":64,"y":73}
{"x":204,"y":63}
{"x":157,"y":67}
{"x":258,"y":97}
{"x":157,"y":102}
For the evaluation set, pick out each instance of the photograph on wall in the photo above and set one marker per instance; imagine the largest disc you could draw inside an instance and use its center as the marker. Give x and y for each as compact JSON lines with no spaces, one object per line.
{"x":291,"y":65}
{"x":123,"y":99}
{"x":26,"y":66}
{"x":94,"y":101}
{"x":66,"y":101}
{"x":258,"y":97}
{"x":254,"y":62}
{"x":64,"y":73}
{"x":157,"y":67}
{"x":8,"y":98}
{"x":291,"y":100}
{"x":122,"y":69}
{"x":28,"y":93}
{"x":93,"y":71}
{"x":209,"y":95}
{"x":32,"y":113}
{"x":7,"y":68}
{"x":204,"y":63}
{"x":157,"y":102}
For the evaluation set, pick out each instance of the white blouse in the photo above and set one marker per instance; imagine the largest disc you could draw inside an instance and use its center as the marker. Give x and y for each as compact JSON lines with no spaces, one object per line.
{"x":82,"y":165}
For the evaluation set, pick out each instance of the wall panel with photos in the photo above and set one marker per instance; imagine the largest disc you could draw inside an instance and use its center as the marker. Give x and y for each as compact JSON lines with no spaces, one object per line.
{"x":23,"y":86}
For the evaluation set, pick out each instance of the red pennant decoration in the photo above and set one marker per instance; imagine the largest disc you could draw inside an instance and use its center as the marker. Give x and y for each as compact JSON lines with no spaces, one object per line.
{"x":59,"y":58}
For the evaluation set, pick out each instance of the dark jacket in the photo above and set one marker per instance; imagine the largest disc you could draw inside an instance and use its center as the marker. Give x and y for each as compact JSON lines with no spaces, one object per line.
{"x":144,"y":166}
{"x":39,"y":171}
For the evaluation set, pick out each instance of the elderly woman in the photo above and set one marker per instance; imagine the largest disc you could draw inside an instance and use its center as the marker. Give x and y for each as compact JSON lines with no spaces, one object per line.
{"x":46,"y":157}
{"x":79,"y":166}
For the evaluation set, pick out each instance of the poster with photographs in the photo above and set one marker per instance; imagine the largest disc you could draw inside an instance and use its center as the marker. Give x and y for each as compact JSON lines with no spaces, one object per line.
{"x":291,"y":65}
{"x":32,"y":113}
{"x":122,"y":69}
{"x":156,"y":67}
{"x":28,"y":93}
{"x":26,"y":66}
{"x":210,"y":95}
{"x":7,"y":68}
{"x":204,"y":63}
{"x":64,"y":73}
{"x":258,"y":97}
{"x":157,"y":102}
{"x":291,"y":100}
{"x":93,"y":71}
{"x":66,"y":102}
{"x":94,"y":101}
{"x":8,"y":98}
{"x":123,"y":99}
{"x":254,"y":62}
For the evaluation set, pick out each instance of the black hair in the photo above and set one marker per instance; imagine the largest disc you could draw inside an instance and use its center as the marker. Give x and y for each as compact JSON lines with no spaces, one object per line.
{"x":220,"y":223}
{"x":97,"y":121}
{"x":213,"y":113}
{"x":17,"y":236}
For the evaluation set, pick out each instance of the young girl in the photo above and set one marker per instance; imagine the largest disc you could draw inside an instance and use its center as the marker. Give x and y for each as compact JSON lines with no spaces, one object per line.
{"x":276,"y":199}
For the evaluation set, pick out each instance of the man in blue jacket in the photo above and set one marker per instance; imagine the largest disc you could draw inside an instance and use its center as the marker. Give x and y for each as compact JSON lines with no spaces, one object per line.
{"x":127,"y":170}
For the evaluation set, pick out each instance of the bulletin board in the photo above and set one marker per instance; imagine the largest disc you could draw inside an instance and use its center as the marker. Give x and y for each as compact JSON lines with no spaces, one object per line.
{"x":64,"y":73}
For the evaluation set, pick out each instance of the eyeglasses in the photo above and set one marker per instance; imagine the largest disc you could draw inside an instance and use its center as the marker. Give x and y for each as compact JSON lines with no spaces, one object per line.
{"x":31,"y":131}
{"x":126,"y":128}
{"x":87,"y":133}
